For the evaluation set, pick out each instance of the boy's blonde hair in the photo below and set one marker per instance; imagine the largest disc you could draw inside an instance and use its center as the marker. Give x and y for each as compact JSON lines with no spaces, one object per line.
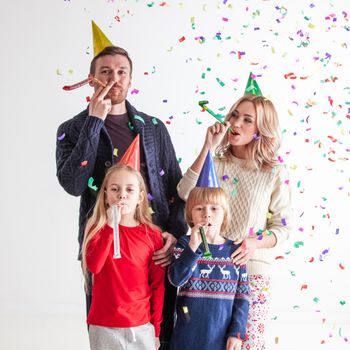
{"x":99,"y":216}
{"x":262,"y":151}
{"x":208,"y":195}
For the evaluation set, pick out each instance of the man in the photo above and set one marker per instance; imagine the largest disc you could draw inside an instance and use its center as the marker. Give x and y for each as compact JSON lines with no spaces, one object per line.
{"x":97,"y":137}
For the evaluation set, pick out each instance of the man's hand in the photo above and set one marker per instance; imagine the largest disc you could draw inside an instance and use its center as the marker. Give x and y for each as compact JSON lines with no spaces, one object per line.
{"x":233,"y":343}
{"x":163,"y":256}
{"x":99,"y":105}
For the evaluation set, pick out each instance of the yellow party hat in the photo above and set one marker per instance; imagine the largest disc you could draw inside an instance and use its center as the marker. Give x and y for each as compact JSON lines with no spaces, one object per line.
{"x":99,"y":39}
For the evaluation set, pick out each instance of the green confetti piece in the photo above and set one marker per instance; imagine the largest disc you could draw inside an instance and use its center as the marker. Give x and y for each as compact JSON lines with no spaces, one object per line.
{"x":235,"y":181}
{"x":130,"y":126}
{"x":342,"y":302}
{"x":90,"y":184}
{"x":234,"y":192}
{"x":220,"y":82}
{"x":139,"y":118}
{"x":316,"y":300}
{"x":154,"y":121}
{"x":298,"y":244}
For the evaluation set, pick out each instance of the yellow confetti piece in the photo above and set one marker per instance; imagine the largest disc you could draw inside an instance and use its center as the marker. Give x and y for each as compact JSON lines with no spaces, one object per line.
{"x":269,"y":216}
{"x":150,"y":210}
{"x":115,"y":152}
{"x":185,"y":309}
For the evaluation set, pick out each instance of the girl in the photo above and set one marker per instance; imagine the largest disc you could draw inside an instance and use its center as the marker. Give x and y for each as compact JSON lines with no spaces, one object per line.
{"x":246,"y":149}
{"x":212,"y":302}
{"x":127,"y":293}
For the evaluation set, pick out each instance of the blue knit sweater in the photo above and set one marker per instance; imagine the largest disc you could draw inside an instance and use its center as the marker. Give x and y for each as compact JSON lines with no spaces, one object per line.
{"x":85,"y":138}
{"x":213,"y":298}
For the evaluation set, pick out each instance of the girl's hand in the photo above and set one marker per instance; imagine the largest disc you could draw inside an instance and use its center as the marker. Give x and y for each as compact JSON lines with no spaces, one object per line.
{"x":243,"y":253}
{"x":110,"y":219}
{"x":99,"y":105}
{"x":157,"y":343}
{"x":215,"y":134}
{"x":233,"y":343}
{"x":196,"y":239}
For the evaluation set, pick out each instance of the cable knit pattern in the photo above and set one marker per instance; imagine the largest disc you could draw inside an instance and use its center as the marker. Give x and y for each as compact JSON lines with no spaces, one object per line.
{"x":259,"y":200}
{"x":85,"y":139}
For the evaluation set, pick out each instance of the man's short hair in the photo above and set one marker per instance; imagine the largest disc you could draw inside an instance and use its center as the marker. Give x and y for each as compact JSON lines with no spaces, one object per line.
{"x":110,"y":51}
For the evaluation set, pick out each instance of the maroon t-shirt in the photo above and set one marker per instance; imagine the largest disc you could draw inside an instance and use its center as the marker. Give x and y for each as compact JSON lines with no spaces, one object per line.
{"x":121,"y":135}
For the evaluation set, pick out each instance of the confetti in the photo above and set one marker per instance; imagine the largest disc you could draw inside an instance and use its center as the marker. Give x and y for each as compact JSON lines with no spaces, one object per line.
{"x":91,"y":185}
{"x":61,"y":137}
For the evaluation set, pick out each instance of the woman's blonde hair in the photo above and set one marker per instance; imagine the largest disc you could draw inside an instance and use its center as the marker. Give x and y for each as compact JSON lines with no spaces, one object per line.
{"x":208,"y":195}
{"x":262,"y":151}
{"x":99,"y":216}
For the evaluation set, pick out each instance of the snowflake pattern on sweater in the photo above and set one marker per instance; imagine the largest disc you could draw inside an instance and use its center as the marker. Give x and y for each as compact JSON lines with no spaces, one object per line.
{"x":213,"y":296}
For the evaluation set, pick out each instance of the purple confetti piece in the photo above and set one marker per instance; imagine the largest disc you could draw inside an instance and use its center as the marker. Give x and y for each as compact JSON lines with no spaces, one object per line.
{"x":150,"y":197}
{"x":61,"y":137}
{"x":256,"y":137}
{"x":221,"y":247}
{"x":284,"y":223}
{"x":225,"y":177}
{"x":161,"y":173}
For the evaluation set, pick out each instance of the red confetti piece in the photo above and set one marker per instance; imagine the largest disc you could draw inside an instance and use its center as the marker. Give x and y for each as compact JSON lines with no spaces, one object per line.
{"x":279,"y":257}
{"x":311,"y":260}
{"x":182,"y":39}
{"x":84,"y":163}
{"x":341,"y":266}
{"x":88,"y":99}
{"x":290,"y":76}
{"x":304,"y":286}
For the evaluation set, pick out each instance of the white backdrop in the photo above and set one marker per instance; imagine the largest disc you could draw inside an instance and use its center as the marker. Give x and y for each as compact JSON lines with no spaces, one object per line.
{"x":183,"y":52}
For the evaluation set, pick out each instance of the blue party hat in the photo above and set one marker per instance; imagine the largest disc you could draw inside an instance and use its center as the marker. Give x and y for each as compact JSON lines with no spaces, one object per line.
{"x":208,"y":176}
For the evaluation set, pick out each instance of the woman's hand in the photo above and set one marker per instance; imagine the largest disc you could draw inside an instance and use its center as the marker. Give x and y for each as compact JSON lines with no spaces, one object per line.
{"x":243,"y":253}
{"x":163,"y":256}
{"x":215,"y":134}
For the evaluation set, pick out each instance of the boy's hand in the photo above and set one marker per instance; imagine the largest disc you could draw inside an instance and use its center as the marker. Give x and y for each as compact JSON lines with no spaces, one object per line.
{"x":196,"y":238}
{"x":233,"y":343}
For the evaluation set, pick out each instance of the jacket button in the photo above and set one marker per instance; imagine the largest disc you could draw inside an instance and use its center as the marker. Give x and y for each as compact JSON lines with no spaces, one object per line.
{"x":108,"y":163}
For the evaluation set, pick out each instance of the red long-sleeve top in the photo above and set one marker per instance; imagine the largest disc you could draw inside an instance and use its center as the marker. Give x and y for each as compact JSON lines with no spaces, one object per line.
{"x":128,"y":291}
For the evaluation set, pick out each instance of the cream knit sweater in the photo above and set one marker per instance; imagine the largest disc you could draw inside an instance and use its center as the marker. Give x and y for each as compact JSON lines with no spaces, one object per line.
{"x":258,"y":201}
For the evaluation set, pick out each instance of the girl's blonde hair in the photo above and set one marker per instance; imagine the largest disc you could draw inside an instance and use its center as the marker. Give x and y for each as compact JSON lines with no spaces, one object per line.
{"x":262,"y":151}
{"x":208,"y":195}
{"x":99,"y":216}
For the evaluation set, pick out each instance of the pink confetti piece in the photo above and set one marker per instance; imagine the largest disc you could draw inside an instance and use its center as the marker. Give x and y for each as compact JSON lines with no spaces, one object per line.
{"x":134,"y":91}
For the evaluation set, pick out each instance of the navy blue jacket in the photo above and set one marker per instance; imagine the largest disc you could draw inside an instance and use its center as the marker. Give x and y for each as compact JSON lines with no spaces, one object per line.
{"x":85,"y":138}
